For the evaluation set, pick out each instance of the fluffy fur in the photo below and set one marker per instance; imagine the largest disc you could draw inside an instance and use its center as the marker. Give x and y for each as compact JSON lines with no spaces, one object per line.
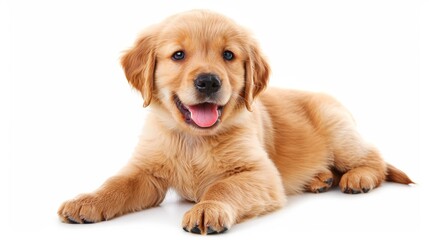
{"x":264,"y":146}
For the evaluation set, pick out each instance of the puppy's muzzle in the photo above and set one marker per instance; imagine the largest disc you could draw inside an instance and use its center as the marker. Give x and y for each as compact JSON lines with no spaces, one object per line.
{"x":207,"y":83}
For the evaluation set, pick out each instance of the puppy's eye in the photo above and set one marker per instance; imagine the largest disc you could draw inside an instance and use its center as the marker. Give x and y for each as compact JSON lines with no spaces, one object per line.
{"x":179,"y":55}
{"x":228,"y":55}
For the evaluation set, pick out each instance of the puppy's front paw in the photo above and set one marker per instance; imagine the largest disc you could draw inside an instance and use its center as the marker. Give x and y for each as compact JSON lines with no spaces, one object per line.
{"x":208,"y":217}
{"x":87,"y":208}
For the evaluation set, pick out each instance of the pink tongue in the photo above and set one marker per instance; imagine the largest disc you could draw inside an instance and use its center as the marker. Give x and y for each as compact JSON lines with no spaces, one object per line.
{"x":204,"y":115}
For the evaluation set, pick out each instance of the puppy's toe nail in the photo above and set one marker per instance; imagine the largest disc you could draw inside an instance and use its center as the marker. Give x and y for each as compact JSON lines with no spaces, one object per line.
{"x":196,"y":230}
{"x":329,"y":181}
{"x":355,"y":191}
{"x":224,"y":230}
{"x":347,"y":190}
{"x":211,"y":231}
{"x":186,"y":230}
{"x":365,"y":190}
{"x":71,"y":220}
{"x":87,"y":221}
{"x":320,"y":190}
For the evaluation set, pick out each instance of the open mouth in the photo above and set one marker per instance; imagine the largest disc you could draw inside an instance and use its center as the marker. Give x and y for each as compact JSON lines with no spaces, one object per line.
{"x":203,"y":115}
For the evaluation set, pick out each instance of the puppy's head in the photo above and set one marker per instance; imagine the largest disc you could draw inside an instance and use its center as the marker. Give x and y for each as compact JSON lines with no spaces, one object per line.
{"x":199,"y":69}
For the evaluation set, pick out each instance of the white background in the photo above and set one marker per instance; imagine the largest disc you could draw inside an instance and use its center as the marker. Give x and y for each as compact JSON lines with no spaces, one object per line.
{"x":70,"y":120}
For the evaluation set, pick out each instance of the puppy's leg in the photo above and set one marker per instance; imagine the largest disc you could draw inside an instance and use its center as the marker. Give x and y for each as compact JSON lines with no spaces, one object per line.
{"x":323,"y":181}
{"x":360,"y":163}
{"x":233,"y":199}
{"x":131,"y":190}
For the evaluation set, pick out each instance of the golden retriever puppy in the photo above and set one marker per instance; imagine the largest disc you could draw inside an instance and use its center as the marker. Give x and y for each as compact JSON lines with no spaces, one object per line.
{"x":218,"y":139}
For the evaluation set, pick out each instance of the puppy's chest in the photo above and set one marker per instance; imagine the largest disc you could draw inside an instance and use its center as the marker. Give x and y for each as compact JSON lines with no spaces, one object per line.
{"x":192,"y":175}
{"x":191,"y":166}
{"x":192,"y":170}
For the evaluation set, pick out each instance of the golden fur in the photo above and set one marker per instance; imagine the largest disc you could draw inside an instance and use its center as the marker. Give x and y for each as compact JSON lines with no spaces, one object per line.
{"x":265,"y":145}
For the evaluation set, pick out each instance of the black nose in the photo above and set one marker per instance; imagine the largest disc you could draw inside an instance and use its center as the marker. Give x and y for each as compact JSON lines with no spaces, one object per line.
{"x":207,"y":83}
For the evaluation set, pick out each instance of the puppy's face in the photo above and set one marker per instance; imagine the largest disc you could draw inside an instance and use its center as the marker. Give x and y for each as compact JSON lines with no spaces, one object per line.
{"x":198,"y":69}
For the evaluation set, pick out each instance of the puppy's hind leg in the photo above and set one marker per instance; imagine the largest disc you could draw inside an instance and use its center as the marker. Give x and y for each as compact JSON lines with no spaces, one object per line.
{"x":321,"y":182}
{"x":360,"y":164}
{"x":363,"y":168}
{"x":369,"y":172}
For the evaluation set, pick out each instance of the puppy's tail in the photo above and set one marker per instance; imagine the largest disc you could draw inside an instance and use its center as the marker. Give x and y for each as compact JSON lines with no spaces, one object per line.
{"x":396,"y":175}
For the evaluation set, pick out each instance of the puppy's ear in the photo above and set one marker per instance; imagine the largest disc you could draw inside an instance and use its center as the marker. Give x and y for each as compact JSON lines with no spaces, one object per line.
{"x":139,"y":64}
{"x":257,"y":74}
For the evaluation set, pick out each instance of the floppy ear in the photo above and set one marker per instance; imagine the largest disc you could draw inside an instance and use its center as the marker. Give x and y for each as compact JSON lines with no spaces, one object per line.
{"x":257,"y":75}
{"x":139,"y":65}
